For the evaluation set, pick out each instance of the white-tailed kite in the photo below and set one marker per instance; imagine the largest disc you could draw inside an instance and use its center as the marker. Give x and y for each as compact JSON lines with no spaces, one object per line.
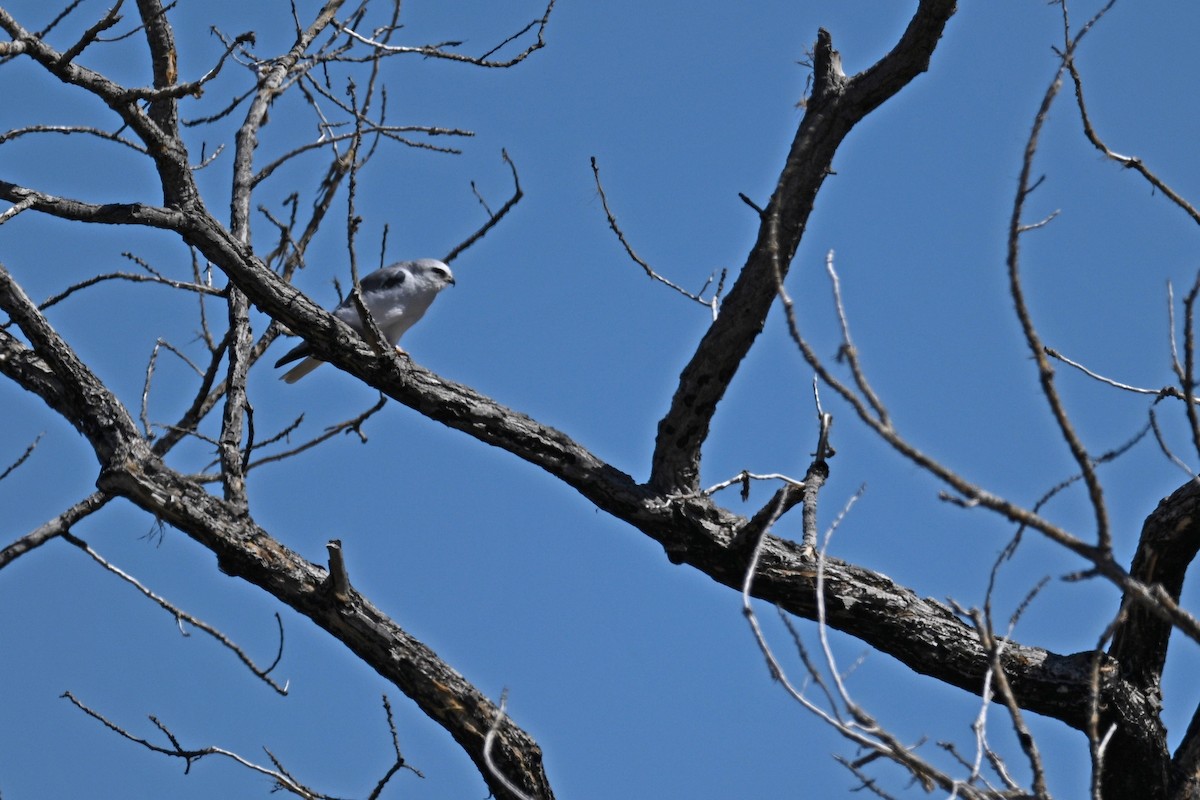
{"x":397,"y":296}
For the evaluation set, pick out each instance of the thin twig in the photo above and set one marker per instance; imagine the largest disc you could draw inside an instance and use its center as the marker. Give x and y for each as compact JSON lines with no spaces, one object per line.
{"x":1166,"y":391}
{"x":22,"y":458}
{"x":110,"y":19}
{"x":353,"y":425}
{"x":1129,"y":162}
{"x":489,"y":742}
{"x":995,"y":648}
{"x":1025,"y":317}
{"x":1187,"y":379}
{"x":132,"y":277}
{"x":53,"y":528}
{"x":848,"y":351}
{"x":743,"y":478}
{"x":1112,"y":455}
{"x":1166,"y":449}
{"x":493,"y":219}
{"x":399,"y":763}
{"x":190,"y":756}
{"x":182,"y":616}
{"x":436,"y":51}
{"x":712,"y":304}
{"x":67,"y":130}
{"x":859,"y":727}
{"x":1097,"y":742}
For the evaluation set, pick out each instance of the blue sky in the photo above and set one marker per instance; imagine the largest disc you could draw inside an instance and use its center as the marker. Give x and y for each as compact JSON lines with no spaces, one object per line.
{"x":637,"y":678}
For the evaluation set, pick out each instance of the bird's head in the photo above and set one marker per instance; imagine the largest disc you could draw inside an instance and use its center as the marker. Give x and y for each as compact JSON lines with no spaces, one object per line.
{"x":432,"y":272}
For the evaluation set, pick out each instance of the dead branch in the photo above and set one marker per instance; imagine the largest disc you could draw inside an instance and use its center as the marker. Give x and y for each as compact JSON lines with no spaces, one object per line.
{"x":489,"y":741}
{"x":712,"y":304}
{"x":53,"y":528}
{"x":68,"y":130}
{"x":843,"y":714}
{"x":1166,"y":391}
{"x":493,"y":219}
{"x":21,"y":459}
{"x":400,"y":763}
{"x":110,"y":19}
{"x":181,"y":616}
{"x":837,"y":104}
{"x":437,"y":51}
{"x":339,"y":579}
{"x":995,"y":646}
{"x":1033,"y":340}
{"x":192,"y":755}
{"x":353,"y":425}
{"x":1089,"y":130}
{"x":847,"y":351}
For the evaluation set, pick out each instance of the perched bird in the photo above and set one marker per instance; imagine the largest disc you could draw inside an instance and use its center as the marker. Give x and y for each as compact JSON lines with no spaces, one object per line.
{"x":397,"y":296}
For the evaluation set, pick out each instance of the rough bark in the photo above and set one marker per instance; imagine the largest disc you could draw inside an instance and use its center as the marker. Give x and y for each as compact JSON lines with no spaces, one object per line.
{"x":693,"y":529}
{"x":1166,"y":549}
{"x":836,"y":105}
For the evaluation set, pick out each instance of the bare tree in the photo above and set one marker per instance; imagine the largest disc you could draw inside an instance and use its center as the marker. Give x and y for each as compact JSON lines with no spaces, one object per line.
{"x":333,"y":68}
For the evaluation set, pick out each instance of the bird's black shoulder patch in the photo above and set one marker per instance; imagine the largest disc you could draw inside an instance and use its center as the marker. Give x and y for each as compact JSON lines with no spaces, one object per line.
{"x":383,"y":279}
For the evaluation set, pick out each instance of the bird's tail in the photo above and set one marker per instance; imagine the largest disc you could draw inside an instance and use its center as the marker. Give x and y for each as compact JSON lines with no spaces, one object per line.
{"x":300,"y":370}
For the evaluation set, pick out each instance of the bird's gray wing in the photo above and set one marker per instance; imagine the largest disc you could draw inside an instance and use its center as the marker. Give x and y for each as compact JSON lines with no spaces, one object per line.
{"x":388,"y":293}
{"x":381,"y":289}
{"x":384,"y":279}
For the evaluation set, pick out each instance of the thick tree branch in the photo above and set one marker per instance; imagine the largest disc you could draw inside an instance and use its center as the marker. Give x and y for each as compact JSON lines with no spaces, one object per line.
{"x":1186,"y":763}
{"x":836,"y":105}
{"x":105,"y":214}
{"x":130,"y":469}
{"x":170,"y":154}
{"x":693,"y":530}
{"x":247,"y":136}
{"x":924,"y":635}
{"x":920,"y":632}
{"x":56,"y":373}
{"x":1168,"y":545}
{"x":237,"y":404}
{"x":163,"y":144}
{"x":247,"y":551}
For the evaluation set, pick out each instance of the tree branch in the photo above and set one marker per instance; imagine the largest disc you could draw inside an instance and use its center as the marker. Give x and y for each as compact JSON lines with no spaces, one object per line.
{"x":1167,"y":547}
{"x":836,"y":105}
{"x":130,"y":469}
